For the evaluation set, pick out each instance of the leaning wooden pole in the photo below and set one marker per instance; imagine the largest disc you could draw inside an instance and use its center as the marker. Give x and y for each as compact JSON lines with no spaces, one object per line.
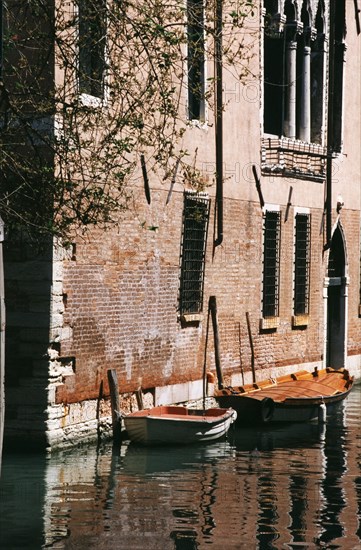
{"x":252,"y":347}
{"x":114,"y":400}
{"x":205,"y":362}
{"x":213,"y":308}
{"x":2,"y":342}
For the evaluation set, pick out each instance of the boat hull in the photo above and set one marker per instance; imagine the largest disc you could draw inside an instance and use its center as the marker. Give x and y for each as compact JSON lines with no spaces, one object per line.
{"x":302,"y":398}
{"x":178,"y":425}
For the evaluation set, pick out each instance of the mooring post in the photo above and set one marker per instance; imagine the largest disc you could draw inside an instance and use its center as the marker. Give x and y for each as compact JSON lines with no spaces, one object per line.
{"x":252,"y":347}
{"x":213,"y":308}
{"x":139,"y":396}
{"x":114,"y":400}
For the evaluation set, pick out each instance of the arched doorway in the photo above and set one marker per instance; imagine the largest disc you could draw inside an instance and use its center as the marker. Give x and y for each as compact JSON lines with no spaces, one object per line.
{"x":336,"y":284}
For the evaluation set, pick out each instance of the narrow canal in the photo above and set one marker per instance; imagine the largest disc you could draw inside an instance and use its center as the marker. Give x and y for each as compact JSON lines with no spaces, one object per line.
{"x":286,"y":487}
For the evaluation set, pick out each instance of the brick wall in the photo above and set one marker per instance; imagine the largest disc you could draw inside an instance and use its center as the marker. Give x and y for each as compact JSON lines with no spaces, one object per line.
{"x":121,"y":302}
{"x":110,"y":302}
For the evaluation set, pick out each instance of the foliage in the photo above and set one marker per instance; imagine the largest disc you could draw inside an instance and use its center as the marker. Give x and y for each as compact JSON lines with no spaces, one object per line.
{"x":88,"y":88}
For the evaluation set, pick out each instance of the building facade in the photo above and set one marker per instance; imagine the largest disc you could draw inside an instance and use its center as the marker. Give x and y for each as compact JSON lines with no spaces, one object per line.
{"x":275,"y":239}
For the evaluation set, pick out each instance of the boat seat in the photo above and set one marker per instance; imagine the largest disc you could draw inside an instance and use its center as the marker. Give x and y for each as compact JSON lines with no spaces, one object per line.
{"x":301,"y":375}
{"x":264,"y":384}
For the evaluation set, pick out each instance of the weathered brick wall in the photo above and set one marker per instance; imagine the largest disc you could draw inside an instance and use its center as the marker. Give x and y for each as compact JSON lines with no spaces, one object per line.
{"x":240,"y":288}
{"x":122,"y":307}
{"x":121,"y":302}
{"x":111,"y":302}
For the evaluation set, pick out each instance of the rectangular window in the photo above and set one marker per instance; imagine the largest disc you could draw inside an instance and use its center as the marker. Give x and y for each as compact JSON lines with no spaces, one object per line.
{"x":92,"y":39}
{"x":302,"y":264}
{"x":196,"y":59}
{"x":271,"y":263}
{"x":339,"y":50}
{"x":273,"y":87}
{"x":193,"y":249}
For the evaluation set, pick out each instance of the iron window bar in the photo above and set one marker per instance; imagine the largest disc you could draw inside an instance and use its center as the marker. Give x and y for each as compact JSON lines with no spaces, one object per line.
{"x":302,"y":264}
{"x":193,"y":249}
{"x":271,"y":264}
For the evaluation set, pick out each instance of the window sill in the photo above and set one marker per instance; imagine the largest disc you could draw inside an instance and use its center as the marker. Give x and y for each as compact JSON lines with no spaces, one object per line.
{"x":188,"y":318}
{"x":196,"y":123}
{"x":300,"y":320}
{"x":293,"y":158}
{"x":92,"y":101}
{"x":269,"y":323}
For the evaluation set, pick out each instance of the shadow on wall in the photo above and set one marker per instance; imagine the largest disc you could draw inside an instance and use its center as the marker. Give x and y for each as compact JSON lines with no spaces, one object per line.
{"x":28,"y":280}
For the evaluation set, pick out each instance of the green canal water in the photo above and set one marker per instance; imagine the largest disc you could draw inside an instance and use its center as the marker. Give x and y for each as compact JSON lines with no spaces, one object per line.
{"x":284,"y":487}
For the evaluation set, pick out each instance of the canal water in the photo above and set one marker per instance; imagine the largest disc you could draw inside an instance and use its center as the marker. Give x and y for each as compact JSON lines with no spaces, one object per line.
{"x":285,"y":487}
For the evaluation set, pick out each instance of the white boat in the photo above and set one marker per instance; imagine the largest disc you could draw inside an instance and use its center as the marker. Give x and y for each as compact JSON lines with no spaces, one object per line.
{"x":178,"y":425}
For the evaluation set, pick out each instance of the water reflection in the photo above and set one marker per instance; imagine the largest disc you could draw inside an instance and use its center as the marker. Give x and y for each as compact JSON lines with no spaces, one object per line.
{"x":283,"y":487}
{"x":135,"y":459}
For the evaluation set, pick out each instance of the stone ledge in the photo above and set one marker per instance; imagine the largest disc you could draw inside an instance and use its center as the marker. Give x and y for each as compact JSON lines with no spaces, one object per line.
{"x":293,"y":158}
{"x":300,"y":320}
{"x":268,"y":323}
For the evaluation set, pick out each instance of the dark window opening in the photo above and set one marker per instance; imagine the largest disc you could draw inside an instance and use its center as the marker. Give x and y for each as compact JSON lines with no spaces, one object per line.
{"x":92,"y":38}
{"x":193,"y":249}
{"x":337,"y":261}
{"x":339,"y":62}
{"x":271,"y":264}
{"x":299,"y":80}
{"x":196,"y":59}
{"x":294,"y":66}
{"x":318,"y":78}
{"x":273,"y":85}
{"x":302,"y":264}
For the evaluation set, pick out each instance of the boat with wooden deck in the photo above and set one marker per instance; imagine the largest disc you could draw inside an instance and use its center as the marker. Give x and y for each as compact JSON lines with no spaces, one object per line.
{"x":178,"y":425}
{"x":300,"y":397}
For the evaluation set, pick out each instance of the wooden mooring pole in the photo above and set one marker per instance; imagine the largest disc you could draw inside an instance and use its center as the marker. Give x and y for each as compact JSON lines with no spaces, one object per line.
{"x":139,"y":396}
{"x":114,"y":400}
{"x":252,"y":348}
{"x":213,"y":308}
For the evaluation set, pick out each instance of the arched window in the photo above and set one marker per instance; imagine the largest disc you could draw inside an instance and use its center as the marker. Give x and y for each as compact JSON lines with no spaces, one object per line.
{"x":295,"y":70}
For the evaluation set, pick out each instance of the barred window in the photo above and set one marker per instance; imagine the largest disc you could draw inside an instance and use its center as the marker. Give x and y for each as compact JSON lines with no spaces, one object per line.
{"x":302,"y":264}
{"x":271,"y":263}
{"x":92,"y":37}
{"x":194,"y":239}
